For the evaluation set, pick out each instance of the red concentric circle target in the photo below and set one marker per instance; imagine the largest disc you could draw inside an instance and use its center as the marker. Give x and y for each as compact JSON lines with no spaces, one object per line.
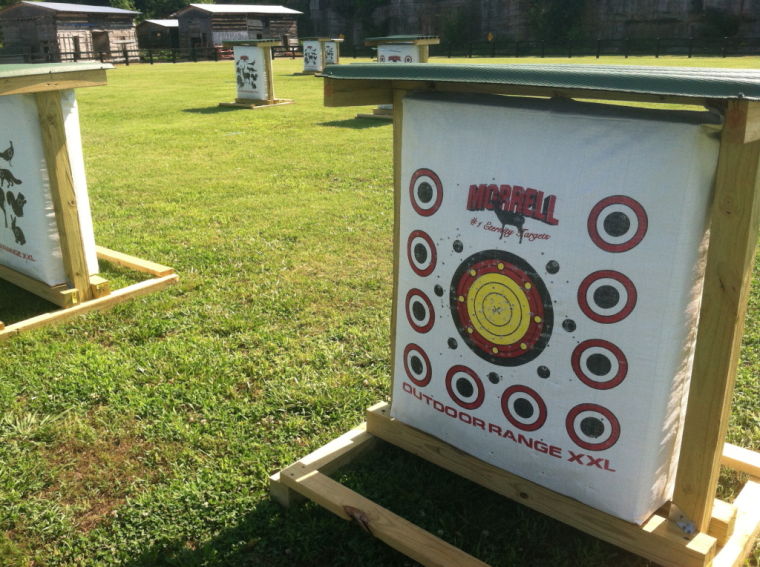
{"x":523,"y":408}
{"x":417,"y":365}
{"x":419,"y":311}
{"x":617,"y":223}
{"x":599,"y":364}
{"x":607,"y":296}
{"x":425,"y":192}
{"x":501,"y":307}
{"x":464,"y":387}
{"x":592,"y":427}
{"x":421,"y":253}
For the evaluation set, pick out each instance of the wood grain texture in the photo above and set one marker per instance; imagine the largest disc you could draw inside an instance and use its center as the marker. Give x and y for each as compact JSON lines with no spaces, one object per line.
{"x":52,"y":82}
{"x":742,"y":460}
{"x":52,"y":294}
{"x":133,"y":262}
{"x":746,"y":530}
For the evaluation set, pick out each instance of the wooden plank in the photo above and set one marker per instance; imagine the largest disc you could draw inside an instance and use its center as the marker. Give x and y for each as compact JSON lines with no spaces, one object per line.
{"x":52,"y":294}
{"x":116,"y":297}
{"x":745,"y":127}
{"x":356,"y":92}
{"x":734,"y":223}
{"x":269,"y":73}
{"x":99,"y":286}
{"x":742,"y":460}
{"x":658,"y":539}
{"x":406,"y":537}
{"x":62,"y":191}
{"x":722,"y":522}
{"x":398,"y":196}
{"x":52,"y":82}
{"x":747,"y":528}
{"x":133,"y":262}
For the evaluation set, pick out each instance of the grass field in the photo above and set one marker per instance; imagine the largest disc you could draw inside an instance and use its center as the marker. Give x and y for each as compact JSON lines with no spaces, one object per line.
{"x":145,"y":435}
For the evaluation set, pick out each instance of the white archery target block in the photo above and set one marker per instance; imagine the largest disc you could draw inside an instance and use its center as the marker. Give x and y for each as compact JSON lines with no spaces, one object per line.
{"x":250,"y":72}
{"x":548,"y":287}
{"x":29,"y":238}
{"x":313,"y":59}
{"x":390,"y":53}
{"x":332,"y":52}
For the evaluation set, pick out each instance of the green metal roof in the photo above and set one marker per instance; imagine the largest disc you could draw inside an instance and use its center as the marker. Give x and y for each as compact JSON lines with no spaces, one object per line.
{"x":31,"y":69}
{"x":401,"y":38}
{"x":693,"y":82}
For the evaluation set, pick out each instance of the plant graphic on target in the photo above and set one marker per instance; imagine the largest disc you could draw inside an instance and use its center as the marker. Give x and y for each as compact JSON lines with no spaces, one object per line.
{"x":14,"y":202}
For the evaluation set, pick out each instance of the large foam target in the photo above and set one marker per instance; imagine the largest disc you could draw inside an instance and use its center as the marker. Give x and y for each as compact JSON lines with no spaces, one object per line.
{"x":617,"y":223}
{"x":607,"y":296}
{"x":417,"y":365}
{"x":464,"y":387}
{"x":419,"y":311}
{"x":425,"y":192}
{"x":599,"y":364}
{"x":592,"y":427}
{"x":523,"y":407}
{"x":501,"y":307}
{"x":421,"y":253}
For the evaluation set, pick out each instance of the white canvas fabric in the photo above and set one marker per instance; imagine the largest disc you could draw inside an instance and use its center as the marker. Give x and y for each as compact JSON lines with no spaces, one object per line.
{"x":548,"y":287}
{"x":29,"y":238}
{"x":250,"y":72}
{"x":332,"y":52}
{"x":312,"y":56}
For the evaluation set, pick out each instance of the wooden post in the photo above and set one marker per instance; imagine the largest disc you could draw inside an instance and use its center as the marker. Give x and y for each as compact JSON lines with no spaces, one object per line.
{"x":270,"y":79}
{"x":62,"y":191}
{"x":733,"y":235}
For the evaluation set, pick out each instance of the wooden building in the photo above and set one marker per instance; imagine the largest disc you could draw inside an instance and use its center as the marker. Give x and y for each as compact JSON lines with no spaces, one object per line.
{"x":208,"y":25}
{"x":158,"y":34}
{"x":53,"y":31}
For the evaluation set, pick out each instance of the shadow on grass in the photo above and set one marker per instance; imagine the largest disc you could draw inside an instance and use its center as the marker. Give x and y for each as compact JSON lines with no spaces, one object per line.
{"x":357,"y":123}
{"x":17,"y":304}
{"x":212,"y":109}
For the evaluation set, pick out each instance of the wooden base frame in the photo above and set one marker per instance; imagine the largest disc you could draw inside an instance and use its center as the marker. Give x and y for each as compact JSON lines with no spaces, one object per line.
{"x":728,"y":541}
{"x":99,"y":290}
{"x":255,"y":104}
{"x":378,"y":114}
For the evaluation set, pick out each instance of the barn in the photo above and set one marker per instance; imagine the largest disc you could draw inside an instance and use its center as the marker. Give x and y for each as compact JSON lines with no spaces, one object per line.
{"x":158,"y":34}
{"x":208,"y":25}
{"x":54,"y":31}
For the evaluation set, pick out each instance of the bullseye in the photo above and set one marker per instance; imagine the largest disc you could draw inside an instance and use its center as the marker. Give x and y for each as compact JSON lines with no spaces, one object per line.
{"x":599,"y":364}
{"x":617,"y":223}
{"x":425,"y":192}
{"x":419,"y":311}
{"x":607,"y":296}
{"x":501,"y":308}
{"x":464,"y":387}
{"x":421,"y":253}
{"x":592,"y":427}
{"x":417,"y":365}
{"x":523,"y":408}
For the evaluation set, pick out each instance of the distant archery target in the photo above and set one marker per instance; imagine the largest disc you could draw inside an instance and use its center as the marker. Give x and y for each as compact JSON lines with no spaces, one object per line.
{"x":607,"y":296}
{"x":381,"y":58}
{"x":501,"y":307}
{"x":617,"y":223}
{"x":419,"y":311}
{"x":592,"y":427}
{"x":417,"y":365}
{"x":599,"y":364}
{"x":408,"y":59}
{"x":426,"y":192}
{"x":523,"y":407}
{"x":421,"y":253}
{"x":464,"y":387}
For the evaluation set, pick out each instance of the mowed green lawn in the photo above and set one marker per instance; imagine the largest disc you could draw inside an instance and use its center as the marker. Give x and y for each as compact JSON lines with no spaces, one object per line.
{"x":145,"y":435}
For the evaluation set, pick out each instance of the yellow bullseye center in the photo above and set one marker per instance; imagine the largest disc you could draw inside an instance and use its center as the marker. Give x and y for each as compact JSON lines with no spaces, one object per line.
{"x":498,"y":308}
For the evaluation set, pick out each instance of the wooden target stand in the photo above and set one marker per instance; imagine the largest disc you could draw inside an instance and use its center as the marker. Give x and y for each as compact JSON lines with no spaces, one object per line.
{"x":87,"y":292}
{"x":266,"y":98}
{"x":312,"y":68}
{"x":695,"y":529}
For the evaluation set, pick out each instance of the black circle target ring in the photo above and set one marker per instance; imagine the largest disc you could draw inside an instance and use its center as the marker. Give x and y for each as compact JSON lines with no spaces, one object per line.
{"x":421,"y":253}
{"x":592,"y":427}
{"x":523,"y":408}
{"x":419,"y":311}
{"x":417,"y":365}
{"x":610,"y":223}
{"x":425,"y":192}
{"x":607,"y":296}
{"x":599,"y":364}
{"x":501,"y":307}
{"x":464,"y":387}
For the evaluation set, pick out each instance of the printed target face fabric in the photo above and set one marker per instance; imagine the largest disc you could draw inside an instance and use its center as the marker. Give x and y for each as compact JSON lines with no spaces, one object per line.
{"x":398,"y":54}
{"x":250,"y":72}
{"x":332,"y":52}
{"x":548,"y":289}
{"x":29,"y":238}
{"x":312,"y":56}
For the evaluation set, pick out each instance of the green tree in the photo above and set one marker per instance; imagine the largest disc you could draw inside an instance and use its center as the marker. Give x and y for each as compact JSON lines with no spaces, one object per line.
{"x":555,"y":20}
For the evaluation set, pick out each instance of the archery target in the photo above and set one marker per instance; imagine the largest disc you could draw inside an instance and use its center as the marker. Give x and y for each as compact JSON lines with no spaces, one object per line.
{"x":419,"y":311}
{"x":599,"y":364}
{"x":425,"y":192}
{"x":421,"y":253}
{"x":607,"y":296}
{"x":465,"y":387}
{"x":617,"y":223}
{"x":501,"y":307}
{"x":524,"y":408}
{"x":592,"y":427}
{"x":417,"y":365}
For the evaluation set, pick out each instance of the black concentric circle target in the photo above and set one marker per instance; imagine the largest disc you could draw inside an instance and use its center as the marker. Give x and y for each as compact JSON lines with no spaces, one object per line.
{"x":419,"y":311}
{"x":599,"y":364}
{"x":607,"y":296}
{"x":617,"y":223}
{"x":592,"y":427}
{"x":523,"y":408}
{"x":417,"y":365}
{"x":501,"y":307}
{"x":465,"y":387}
{"x":421,"y":253}
{"x":425,"y":192}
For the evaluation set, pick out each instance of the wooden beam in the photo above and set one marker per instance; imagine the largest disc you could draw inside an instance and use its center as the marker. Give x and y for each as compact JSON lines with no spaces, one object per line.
{"x":268,"y":70}
{"x":742,"y":460}
{"x":133,"y":262}
{"x":53,"y":294}
{"x":99,"y":286}
{"x":747,"y":528}
{"x":745,"y":123}
{"x":62,"y":191}
{"x":734,"y":222}
{"x":658,"y":539}
{"x":52,"y":82}
{"x":356,"y":92}
{"x":722,"y":522}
